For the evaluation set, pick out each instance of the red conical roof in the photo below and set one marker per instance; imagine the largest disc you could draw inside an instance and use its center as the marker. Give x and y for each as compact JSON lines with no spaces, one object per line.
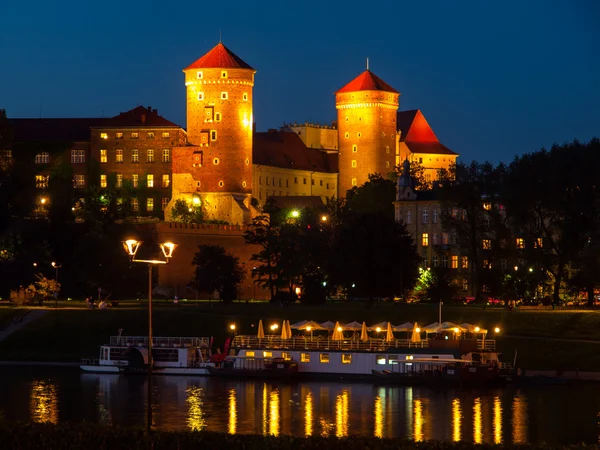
{"x":367,"y":81}
{"x":220,"y":57}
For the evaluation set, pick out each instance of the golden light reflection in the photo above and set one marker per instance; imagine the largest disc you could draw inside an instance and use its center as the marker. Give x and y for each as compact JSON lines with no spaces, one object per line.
{"x":477,"y":421}
{"x":418,"y":420}
{"x":44,"y":402}
{"x":519,"y":420}
{"x":195,"y":419}
{"x":456,"y":419}
{"x":264,"y":409}
{"x":341,"y":414}
{"x":274,"y":403}
{"x":232,"y":411}
{"x":308,"y":415}
{"x":378,"y":410}
{"x":497,"y":420}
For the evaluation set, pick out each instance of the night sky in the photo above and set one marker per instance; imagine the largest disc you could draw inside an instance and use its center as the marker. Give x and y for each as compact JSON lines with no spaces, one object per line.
{"x":493,"y":78}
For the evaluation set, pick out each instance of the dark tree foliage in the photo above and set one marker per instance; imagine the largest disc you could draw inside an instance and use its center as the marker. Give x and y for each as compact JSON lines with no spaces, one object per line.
{"x":182,"y":212}
{"x":376,"y":195}
{"x":435,"y":285}
{"x":217,"y":270}
{"x":417,"y":173}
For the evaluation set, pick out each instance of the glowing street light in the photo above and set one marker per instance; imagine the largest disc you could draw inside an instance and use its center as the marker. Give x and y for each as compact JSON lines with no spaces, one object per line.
{"x":497,"y":330}
{"x":324,"y":218}
{"x":232,"y":327}
{"x":295,"y":214}
{"x":477,"y":329}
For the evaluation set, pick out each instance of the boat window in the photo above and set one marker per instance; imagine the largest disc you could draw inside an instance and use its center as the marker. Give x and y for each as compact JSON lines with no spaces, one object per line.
{"x":346,"y":358}
{"x":324,"y":358}
{"x":381,"y":359}
{"x":305,"y":357}
{"x":268,"y":354}
{"x":286,"y":356}
{"x":250,"y":354}
{"x":392,"y":359}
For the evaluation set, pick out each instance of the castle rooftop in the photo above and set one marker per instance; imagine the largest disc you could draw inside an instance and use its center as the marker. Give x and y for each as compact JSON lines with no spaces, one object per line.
{"x":220,"y":57}
{"x":367,"y":81}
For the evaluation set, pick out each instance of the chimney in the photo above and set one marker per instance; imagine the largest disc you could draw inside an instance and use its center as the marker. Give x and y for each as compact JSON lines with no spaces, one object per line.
{"x":143,"y":118}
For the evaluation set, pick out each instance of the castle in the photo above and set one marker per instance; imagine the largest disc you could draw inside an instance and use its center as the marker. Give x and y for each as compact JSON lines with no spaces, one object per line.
{"x":220,"y":161}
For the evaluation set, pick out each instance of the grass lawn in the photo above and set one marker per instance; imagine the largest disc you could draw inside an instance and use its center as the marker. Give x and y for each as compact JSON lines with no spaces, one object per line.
{"x":69,"y":334}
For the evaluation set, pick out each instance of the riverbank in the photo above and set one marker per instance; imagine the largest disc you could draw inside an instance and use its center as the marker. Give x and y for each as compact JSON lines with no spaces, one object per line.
{"x":88,"y":436}
{"x":543,"y":340}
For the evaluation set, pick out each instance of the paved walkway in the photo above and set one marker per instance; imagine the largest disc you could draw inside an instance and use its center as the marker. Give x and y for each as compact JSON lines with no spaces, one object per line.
{"x":28,"y":317}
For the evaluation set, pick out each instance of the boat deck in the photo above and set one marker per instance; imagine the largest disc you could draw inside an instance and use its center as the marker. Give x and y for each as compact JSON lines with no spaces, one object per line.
{"x":157,"y":342}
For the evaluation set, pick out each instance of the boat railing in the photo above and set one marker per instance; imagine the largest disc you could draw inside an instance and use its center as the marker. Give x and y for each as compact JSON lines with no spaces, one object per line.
{"x":167,"y":342}
{"x":307,"y":343}
{"x":486,"y":344}
{"x":90,"y":361}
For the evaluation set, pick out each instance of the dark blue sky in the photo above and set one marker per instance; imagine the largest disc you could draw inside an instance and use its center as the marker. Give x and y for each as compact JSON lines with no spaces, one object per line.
{"x":494,"y":78}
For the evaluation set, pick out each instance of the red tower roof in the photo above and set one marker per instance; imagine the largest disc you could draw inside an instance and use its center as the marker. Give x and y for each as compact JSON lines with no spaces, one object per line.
{"x":367,"y":81}
{"x":220,"y":57}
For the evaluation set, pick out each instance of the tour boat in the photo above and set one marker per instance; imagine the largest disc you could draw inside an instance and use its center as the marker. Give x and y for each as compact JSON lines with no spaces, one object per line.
{"x":252,"y":367}
{"x":378,"y":358}
{"x":171,"y":356}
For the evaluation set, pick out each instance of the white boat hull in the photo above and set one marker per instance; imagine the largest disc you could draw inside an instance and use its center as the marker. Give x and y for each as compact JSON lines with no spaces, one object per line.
{"x":157,"y":371}
{"x":99,"y":369}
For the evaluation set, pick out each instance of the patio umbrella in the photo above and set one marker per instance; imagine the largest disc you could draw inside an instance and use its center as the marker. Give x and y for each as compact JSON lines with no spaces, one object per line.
{"x":261,"y":330}
{"x":406,"y":326}
{"x":284,"y":331}
{"x":329,"y":325}
{"x":389,"y":335}
{"x":297,"y":325}
{"x":352,"y":326}
{"x":312,"y":325}
{"x":364,"y":336}
{"x":338,"y":334}
{"x":289,"y":329}
{"x":416,"y":335}
{"x":473,"y":328}
{"x":432,"y":328}
{"x":381,"y":325}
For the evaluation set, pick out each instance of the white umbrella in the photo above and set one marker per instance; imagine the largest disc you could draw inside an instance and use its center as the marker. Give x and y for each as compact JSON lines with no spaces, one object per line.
{"x":406,"y":326}
{"x":416,"y":335}
{"x":389,"y":335}
{"x":261,"y":330}
{"x":329,"y":325}
{"x":297,"y":325}
{"x":432,"y":328}
{"x":352,"y":326}
{"x":381,"y":325}
{"x":364,"y":336}
{"x":338,"y":334}
{"x":473,"y":328}
{"x":311,"y":325}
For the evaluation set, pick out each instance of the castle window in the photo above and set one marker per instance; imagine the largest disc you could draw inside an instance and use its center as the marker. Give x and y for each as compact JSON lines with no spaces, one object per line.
{"x":360,"y":119}
{"x":216,"y":161}
{"x":245,"y":96}
{"x":209,"y":113}
{"x":166,"y":135}
{"x":42,"y":158}
{"x":387,"y":149}
{"x":304,"y":180}
{"x":135,"y":135}
{"x":199,"y":75}
{"x":221,"y":184}
{"x":41,"y":181}
{"x":287,"y":183}
{"x":200,"y":95}
{"x":353,"y":181}
{"x":217,"y":117}
{"x":420,"y":160}
{"x":119,"y":155}
{"x":103,"y":180}
{"x":163,"y":203}
{"x":354,"y":148}
{"x":358,"y":134}
{"x":224,"y":95}
{"x":223,"y":74}
{"x":103,"y":156}
{"x":387,"y":164}
{"x":295,"y":180}
{"x":135,"y":204}
{"x":347,"y":135}
{"x":150,"y":155}
{"x":135,"y":178}
{"x":166,"y":155}
{"x":247,"y":162}
{"x":150,"y":204}
{"x":280,"y":182}
{"x":260,"y":180}
{"x":119,"y":135}
{"x":320,"y":182}
{"x":103,"y":135}
{"x":213,"y":135}
{"x":243,"y":184}
{"x":353,"y":163}
{"x":346,"y":118}
{"x":119,"y":180}
{"x":150,"y":135}
{"x":312,"y":182}
{"x":268,"y":182}
{"x":150,"y":180}
{"x":166,"y":180}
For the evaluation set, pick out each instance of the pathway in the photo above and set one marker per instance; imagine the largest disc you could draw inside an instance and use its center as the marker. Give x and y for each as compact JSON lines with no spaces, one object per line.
{"x":27,"y":318}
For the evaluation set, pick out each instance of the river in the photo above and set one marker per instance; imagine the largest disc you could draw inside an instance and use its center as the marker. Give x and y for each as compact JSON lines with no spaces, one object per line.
{"x":550,"y":414}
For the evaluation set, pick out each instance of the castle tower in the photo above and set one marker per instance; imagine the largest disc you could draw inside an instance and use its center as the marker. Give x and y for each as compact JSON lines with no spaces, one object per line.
{"x":219,"y":127}
{"x":367,"y":109}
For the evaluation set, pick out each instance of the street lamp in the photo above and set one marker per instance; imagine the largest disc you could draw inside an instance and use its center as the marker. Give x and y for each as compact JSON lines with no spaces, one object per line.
{"x":131,"y":247}
{"x":56,"y":267}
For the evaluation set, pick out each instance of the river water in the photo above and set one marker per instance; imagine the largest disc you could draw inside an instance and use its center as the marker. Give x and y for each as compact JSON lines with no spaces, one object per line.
{"x":550,"y":414}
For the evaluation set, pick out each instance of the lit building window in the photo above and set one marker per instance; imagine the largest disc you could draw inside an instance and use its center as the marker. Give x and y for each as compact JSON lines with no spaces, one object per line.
{"x":163,"y":203}
{"x":353,"y":163}
{"x":150,"y":204}
{"x":454,"y":261}
{"x":150,"y":180}
{"x":216,"y":161}
{"x":355,"y":148}
{"x":425,"y":239}
{"x":41,"y":181}
{"x":135,"y":155}
{"x":103,"y":181}
{"x":135,"y":180}
{"x":359,"y":134}
{"x":103,"y":155}
{"x":486,"y":244}
{"x":119,"y":180}
{"x":224,"y":95}
{"x":305,"y":357}
{"x":166,"y":181}
{"x":245,"y":96}
{"x":539,"y":242}
{"x":119,"y":135}
{"x":486,"y":264}
{"x":346,"y":135}
{"x":79,"y":181}
{"x":166,"y":135}
{"x":77,"y":156}
{"x":42,"y":158}
{"x":424,"y":216}
{"x":135,"y":204}
{"x":103,"y":135}
{"x":150,"y":155}
{"x":260,"y":180}
{"x":223,"y":74}
{"x":119,"y":155}
{"x":221,"y":184}
{"x":381,"y":359}
{"x":464,"y":262}
{"x":200,"y":95}
{"x":465,"y":284}
{"x":520,"y":243}
{"x":487,"y":206}
{"x":150,"y":135}
{"x":353,"y":181}
{"x":166,"y":155}
{"x":346,"y":358}
{"x":199,"y":75}
{"x":135,"y":135}
{"x":324,"y":358}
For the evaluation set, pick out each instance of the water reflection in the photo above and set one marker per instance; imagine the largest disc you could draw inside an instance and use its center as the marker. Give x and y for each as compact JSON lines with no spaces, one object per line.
{"x":504,"y":416}
{"x":44,"y":402}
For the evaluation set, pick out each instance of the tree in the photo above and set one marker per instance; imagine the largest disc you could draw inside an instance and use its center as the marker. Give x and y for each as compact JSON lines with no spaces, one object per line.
{"x":182,"y":212}
{"x":417,"y":173}
{"x":43,"y":288}
{"x":376,"y":195}
{"x":217,"y":270}
{"x":435,"y":285}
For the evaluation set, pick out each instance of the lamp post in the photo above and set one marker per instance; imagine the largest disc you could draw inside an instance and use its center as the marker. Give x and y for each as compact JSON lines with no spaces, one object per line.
{"x":56,"y":267}
{"x":131,"y":247}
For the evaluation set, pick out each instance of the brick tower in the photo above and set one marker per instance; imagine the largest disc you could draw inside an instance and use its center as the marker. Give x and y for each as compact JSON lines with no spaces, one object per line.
{"x":219,"y":127}
{"x":367,"y":109}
